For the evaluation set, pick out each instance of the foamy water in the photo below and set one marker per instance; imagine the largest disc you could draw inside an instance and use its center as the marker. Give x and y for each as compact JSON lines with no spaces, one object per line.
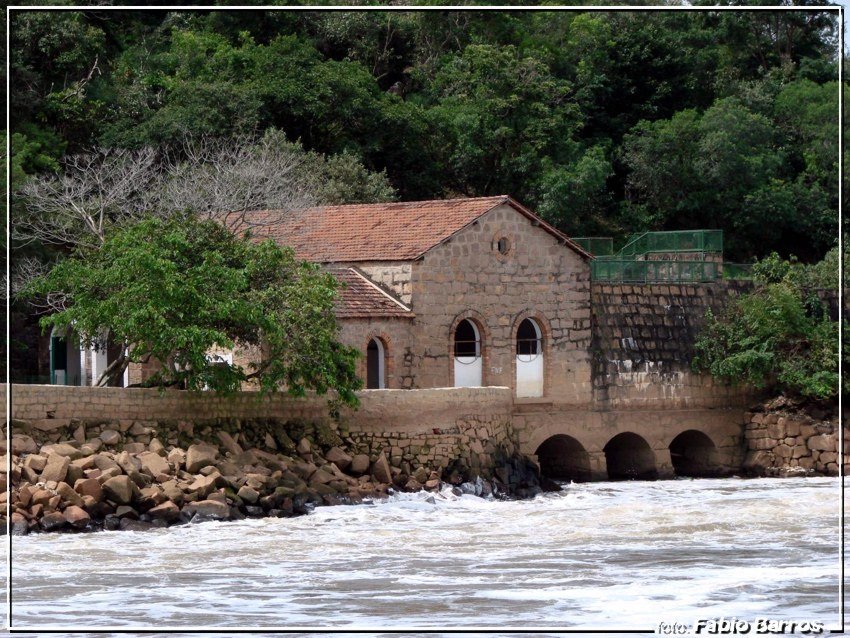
{"x":598,"y":555}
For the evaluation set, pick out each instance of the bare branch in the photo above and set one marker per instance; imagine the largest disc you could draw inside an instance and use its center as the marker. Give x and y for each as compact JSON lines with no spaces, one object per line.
{"x":226,"y":178}
{"x":94,"y":191}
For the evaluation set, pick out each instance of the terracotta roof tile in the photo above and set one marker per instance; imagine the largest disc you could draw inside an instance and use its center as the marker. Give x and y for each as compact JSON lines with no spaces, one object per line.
{"x":361,"y":297}
{"x":397,"y":231}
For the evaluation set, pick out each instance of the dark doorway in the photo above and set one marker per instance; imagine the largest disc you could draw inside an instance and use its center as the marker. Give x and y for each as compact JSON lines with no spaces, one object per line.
{"x":375,"y":365}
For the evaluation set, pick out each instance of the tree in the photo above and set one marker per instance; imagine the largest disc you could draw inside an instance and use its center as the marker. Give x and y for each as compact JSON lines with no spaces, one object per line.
{"x":205,"y":177}
{"x":501,"y":112}
{"x":703,"y":169}
{"x":94,"y":191}
{"x":171,"y":291}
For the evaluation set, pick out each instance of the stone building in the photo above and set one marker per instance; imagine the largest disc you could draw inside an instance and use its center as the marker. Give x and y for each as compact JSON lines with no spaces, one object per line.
{"x":460,"y":292}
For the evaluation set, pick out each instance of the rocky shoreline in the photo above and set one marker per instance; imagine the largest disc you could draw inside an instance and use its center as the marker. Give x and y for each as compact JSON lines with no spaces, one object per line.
{"x":134,"y":475}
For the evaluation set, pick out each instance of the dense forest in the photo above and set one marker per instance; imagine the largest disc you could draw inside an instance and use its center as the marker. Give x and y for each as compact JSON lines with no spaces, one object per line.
{"x":605,"y":123}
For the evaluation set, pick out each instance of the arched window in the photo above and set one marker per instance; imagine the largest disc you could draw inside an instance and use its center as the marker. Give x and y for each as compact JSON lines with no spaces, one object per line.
{"x":529,"y":339}
{"x":468,"y":364}
{"x":375,"y":374}
{"x":529,"y":359}
{"x":467,"y":340}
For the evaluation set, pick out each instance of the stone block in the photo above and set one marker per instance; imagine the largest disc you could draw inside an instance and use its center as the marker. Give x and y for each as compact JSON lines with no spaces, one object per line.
{"x":823,"y":442}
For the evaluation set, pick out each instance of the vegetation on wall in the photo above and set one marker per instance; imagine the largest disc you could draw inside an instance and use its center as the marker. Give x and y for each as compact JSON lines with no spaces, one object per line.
{"x":781,"y":336}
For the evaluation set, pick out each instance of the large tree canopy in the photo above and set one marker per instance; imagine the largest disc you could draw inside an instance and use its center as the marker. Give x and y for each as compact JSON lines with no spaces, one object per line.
{"x":588,"y":118}
{"x":174,"y":291}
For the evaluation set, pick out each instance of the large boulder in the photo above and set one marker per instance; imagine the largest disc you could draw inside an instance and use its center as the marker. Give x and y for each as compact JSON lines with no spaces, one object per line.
{"x":228,"y":443}
{"x":76,"y":516}
{"x":35,"y":462}
{"x":66,"y":449}
{"x":303,"y":470}
{"x":154,"y":464}
{"x":120,"y":489}
{"x":110,"y":437}
{"x":68,"y":494}
{"x":208,"y":511}
{"x":104,"y":462}
{"x":172,"y":491}
{"x":167,"y":511}
{"x":23,"y":444}
{"x":248,"y":494}
{"x":53,"y":521}
{"x":359,"y":464}
{"x":321,"y":477}
{"x":19,"y":524}
{"x":204,"y":485}
{"x":200,"y":455}
{"x":89,"y":487}
{"x":56,"y":468}
{"x":339,"y":457}
{"x":128,"y":462}
{"x":381,"y":470}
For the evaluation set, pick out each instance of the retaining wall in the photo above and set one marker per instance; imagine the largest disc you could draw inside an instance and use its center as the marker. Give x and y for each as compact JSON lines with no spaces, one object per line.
{"x":643,"y":345}
{"x":430,"y":427}
{"x":790,"y":444}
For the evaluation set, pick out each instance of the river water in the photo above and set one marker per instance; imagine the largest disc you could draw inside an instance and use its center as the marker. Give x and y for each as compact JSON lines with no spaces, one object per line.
{"x":621,"y":555}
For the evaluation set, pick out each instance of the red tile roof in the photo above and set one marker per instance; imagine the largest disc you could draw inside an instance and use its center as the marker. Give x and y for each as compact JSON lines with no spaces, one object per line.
{"x":361,"y":297}
{"x":398,"y":231}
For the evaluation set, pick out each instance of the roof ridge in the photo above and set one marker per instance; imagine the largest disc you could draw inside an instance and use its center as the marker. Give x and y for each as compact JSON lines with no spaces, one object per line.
{"x":384,"y":231}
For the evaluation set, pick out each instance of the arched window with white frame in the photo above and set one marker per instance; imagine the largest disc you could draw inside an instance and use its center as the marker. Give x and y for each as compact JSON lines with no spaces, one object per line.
{"x":468,"y":362}
{"x":529,"y":359}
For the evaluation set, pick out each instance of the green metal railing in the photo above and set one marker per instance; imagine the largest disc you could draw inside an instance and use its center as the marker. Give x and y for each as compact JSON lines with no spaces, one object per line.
{"x":707,"y":241}
{"x":648,"y":271}
{"x":596,"y":246}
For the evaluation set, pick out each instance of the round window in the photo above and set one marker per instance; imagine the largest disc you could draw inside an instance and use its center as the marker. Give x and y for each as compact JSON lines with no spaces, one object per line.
{"x":503,"y":245}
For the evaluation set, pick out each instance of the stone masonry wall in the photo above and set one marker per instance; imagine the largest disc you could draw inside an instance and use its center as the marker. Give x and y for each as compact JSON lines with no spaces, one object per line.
{"x":789,"y":442}
{"x":428,"y":427}
{"x":394,"y":333}
{"x":539,"y":278}
{"x":643,"y":344}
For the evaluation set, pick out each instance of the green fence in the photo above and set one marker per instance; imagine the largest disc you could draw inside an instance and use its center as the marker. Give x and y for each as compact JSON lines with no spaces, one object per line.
{"x":596,"y":245}
{"x":642,"y":271}
{"x":709,"y":241}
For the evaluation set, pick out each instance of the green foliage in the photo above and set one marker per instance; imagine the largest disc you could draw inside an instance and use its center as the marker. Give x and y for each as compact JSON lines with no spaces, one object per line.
{"x":343,"y":179}
{"x":613,"y":122}
{"x":502,"y":113}
{"x":172,"y":292}
{"x":771,"y":270}
{"x":780,"y":336}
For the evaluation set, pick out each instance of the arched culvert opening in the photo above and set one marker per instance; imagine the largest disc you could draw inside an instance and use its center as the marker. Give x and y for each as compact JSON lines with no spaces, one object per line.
{"x":630,"y":458}
{"x":694,"y":454}
{"x":562,"y":458}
